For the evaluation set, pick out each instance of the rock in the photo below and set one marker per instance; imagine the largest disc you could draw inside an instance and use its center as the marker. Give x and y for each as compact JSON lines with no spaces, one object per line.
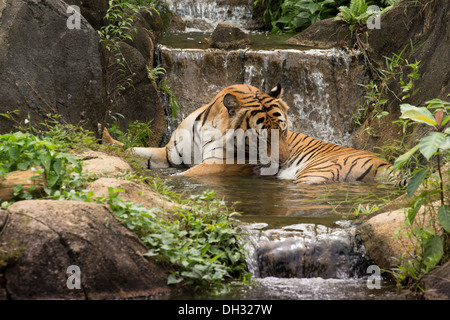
{"x":46,"y":67}
{"x":199,"y":24}
{"x":176,"y":23}
{"x":93,"y":11}
{"x":227,"y":35}
{"x":49,"y":236}
{"x":100,"y":163}
{"x":436,"y":284}
{"x":378,"y":236}
{"x":305,"y":251}
{"x":134,"y":192}
{"x":386,"y":236}
{"x":324,"y":34}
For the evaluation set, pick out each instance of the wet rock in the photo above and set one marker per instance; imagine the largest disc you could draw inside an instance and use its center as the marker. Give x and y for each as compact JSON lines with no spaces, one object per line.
{"x":49,"y":236}
{"x":324,"y":35}
{"x":176,"y":23}
{"x":436,"y":284}
{"x":227,"y":35}
{"x":199,"y":24}
{"x":47,"y":68}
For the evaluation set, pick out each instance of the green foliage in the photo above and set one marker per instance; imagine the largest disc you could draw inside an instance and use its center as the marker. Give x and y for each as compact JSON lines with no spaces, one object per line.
{"x":292,"y":16}
{"x":383,"y":86}
{"x":198,"y":240}
{"x":137,"y":133}
{"x":201,"y":246}
{"x":359,"y":11}
{"x":295,"y":15}
{"x":426,"y":187}
{"x":167,"y":91}
{"x":22,"y":151}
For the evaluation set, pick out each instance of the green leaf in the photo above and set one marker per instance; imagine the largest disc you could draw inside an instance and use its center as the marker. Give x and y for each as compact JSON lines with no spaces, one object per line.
{"x":416,"y":181}
{"x":24,"y":165}
{"x":433,"y":250}
{"x":444,"y":217}
{"x":14,"y":154}
{"x":446,"y":144}
{"x":404,"y":157}
{"x":46,"y":161}
{"x":431,"y":143}
{"x":422,"y":114}
{"x":57,"y":167}
{"x":172,"y":279}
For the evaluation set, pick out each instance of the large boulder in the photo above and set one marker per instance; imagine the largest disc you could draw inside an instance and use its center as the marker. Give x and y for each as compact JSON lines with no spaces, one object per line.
{"x":329,"y":33}
{"x":379,"y":236}
{"x":46,"y":237}
{"x":227,"y":35}
{"x":46,"y":67}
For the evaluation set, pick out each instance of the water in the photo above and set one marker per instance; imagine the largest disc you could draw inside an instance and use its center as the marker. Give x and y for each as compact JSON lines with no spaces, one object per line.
{"x":194,"y":40}
{"x":302,"y":240}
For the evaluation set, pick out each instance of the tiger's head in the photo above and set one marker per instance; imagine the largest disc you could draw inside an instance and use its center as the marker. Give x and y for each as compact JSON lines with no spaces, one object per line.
{"x":261,"y":118}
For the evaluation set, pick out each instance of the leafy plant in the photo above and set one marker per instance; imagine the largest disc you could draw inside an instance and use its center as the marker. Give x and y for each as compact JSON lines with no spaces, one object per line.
{"x":297,"y":15}
{"x":289,"y":16}
{"x":22,"y":151}
{"x":137,"y":133}
{"x":359,"y":11}
{"x":201,"y":246}
{"x":382,"y":87}
{"x":432,"y":233}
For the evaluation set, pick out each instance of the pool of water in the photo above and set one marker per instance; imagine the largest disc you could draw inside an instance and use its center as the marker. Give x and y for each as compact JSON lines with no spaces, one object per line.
{"x":285,"y":223}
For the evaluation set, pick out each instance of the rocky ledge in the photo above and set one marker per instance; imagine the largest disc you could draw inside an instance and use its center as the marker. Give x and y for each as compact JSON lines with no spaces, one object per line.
{"x":44,"y":239}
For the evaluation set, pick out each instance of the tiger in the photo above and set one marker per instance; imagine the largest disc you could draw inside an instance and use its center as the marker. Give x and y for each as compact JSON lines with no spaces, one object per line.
{"x":227,"y":135}
{"x":302,"y":158}
{"x":314,"y":162}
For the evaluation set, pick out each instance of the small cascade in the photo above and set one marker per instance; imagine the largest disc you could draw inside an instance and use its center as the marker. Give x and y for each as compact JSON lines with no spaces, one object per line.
{"x":205,"y":15}
{"x":305,"y":251}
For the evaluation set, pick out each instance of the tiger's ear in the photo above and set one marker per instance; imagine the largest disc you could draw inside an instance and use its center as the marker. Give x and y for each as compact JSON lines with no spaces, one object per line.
{"x":276,"y":91}
{"x":231,"y":103}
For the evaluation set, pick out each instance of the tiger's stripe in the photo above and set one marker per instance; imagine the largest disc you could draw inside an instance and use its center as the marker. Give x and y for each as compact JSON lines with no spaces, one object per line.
{"x":313,"y":161}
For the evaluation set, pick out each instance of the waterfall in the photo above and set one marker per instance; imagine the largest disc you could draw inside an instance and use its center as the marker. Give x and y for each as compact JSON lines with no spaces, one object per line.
{"x":209,"y":13}
{"x":305,"y":250}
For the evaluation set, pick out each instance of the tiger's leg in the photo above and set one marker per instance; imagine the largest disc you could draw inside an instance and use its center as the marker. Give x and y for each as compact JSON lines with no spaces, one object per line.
{"x":207,"y":169}
{"x":156,"y":157}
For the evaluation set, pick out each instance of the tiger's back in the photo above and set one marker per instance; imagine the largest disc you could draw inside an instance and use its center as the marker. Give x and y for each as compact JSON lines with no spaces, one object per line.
{"x":313,"y":161}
